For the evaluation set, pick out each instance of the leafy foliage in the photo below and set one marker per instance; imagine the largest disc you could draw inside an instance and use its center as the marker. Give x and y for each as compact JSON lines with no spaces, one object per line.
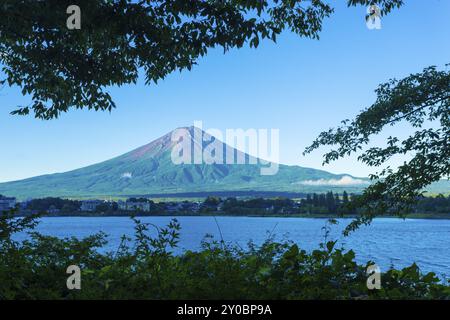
{"x":45,"y":204}
{"x":423,"y":101}
{"x":62,"y":69}
{"x":147,"y":269}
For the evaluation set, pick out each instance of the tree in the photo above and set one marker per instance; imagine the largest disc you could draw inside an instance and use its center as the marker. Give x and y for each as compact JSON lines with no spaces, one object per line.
{"x":423,"y":101}
{"x":62,"y":69}
{"x":308,"y":199}
{"x":345,"y":199}
{"x":212,"y":201}
{"x":330,"y":201}
{"x":315,"y":200}
{"x":103,"y":208}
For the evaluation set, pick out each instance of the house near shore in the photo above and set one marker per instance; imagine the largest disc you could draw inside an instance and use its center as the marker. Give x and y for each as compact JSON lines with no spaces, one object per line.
{"x":173,"y":207}
{"x":134,"y":205}
{"x":90,"y":205}
{"x":7,"y":203}
{"x":185,"y":206}
{"x":191,"y":206}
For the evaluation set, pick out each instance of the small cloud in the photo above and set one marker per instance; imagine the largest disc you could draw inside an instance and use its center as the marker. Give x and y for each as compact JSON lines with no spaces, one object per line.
{"x":127,"y":175}
{"x":344,"y":181}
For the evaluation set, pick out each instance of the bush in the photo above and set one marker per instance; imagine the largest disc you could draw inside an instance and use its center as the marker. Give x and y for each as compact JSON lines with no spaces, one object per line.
{"x":146,"y":268}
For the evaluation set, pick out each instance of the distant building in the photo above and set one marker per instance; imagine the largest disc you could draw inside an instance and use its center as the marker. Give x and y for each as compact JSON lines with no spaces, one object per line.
{"x":24,"y":204}
{"x":90,"y":205}
{"x":53,"y":210}
{"x":182,"y":206}
{"x":122,"y":205}
{"x":131,"y":205}
{"x":193,"y":206}
{"x":140,"y":206}
{"x":174,"y":207}
{"x":7,"y":203}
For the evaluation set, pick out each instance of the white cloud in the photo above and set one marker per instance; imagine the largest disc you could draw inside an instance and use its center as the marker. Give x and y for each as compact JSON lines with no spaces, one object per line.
{"x":127,"y":175}
{"x":344,"y":181}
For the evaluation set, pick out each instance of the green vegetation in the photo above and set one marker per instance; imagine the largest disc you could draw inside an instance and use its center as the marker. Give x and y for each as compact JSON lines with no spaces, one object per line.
{"x":62,"y":69}
{"x":50,"y":204}
{"x":422,"y":101}
{"x":146,"y":268}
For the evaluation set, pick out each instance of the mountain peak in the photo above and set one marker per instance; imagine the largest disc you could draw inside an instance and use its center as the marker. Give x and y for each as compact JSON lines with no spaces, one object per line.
{"x":150,"y":170}
{"x":165,"y":143}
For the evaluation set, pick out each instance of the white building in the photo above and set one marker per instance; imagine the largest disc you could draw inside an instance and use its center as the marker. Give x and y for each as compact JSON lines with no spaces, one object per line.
{"x":174,"y":207}
{"x":90,"y":205}
{"x":134,"y":205}
{"x":7,"y":203}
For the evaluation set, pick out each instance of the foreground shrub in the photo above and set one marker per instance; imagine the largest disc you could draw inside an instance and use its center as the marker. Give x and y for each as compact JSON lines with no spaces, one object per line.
{"x":146,"y":268}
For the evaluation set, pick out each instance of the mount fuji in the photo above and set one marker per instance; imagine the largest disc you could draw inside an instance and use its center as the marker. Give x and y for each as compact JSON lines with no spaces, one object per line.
{"x":149,"y":170}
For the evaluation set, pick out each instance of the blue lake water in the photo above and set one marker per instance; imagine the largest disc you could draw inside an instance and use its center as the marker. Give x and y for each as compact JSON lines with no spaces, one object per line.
{"x":386,"y":241}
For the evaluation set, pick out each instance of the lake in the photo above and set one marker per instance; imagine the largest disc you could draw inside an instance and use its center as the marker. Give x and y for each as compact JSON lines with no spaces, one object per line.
{"x":386,"y":241}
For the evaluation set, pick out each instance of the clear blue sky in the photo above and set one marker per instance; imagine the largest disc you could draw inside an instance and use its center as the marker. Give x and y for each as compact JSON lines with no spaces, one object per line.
{"x":298,"y":85}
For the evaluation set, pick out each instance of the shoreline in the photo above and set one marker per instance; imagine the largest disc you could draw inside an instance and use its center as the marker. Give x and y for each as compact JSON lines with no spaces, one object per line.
{"x":413,"y":216}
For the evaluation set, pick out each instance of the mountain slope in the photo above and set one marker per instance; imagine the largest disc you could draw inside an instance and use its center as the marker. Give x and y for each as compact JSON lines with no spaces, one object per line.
{"x":150,"y":170}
